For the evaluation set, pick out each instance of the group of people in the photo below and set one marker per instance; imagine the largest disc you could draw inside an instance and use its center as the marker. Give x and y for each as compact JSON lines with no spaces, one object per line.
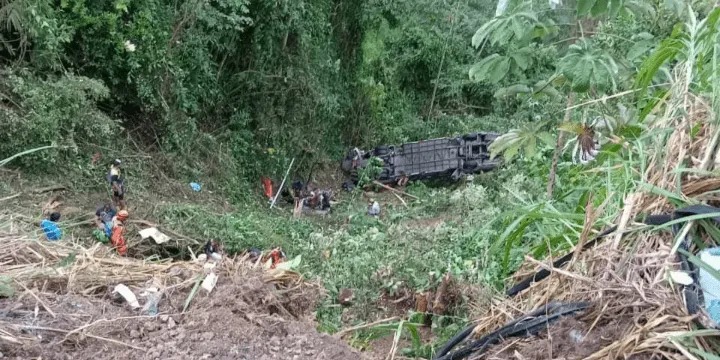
{"x":110,"y":218}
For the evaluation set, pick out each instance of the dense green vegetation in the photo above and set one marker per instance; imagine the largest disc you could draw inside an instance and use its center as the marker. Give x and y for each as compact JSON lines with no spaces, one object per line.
{"x":231,"y":90}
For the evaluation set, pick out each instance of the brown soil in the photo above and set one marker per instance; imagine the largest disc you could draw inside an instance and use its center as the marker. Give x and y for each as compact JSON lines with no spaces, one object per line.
{"x":243,"y":318}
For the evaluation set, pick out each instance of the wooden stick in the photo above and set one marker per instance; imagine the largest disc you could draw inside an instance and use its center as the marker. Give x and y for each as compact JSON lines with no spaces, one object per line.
{"x":49,"y":188}
{"x":401,"y":199}
{"x":10,"y":197}
{"x":88,"y":335}
{"x":394,"y":190}
{"x":44,"y":305}
{"x":282,"y":183}
{"x":340,"y":334}
{"x":100,"y":321}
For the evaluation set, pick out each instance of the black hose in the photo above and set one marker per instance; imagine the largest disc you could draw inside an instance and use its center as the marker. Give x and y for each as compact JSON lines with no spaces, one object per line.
{"x":450,"y":344}
{"x":693,"y":295}
{"x":529,"y":324}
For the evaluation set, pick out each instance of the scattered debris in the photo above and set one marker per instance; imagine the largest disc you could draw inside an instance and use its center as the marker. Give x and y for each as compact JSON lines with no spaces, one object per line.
{"x":268,"y":187}
{"x":681,"y":277}
{"x":127,"y":294}
{"x":345,"y":297}
{"x":213,"y":250}
{"x":373,"y":208}
{"x":348,"y":186}
{"x":195,"y":186}
{"x":710,"y":284}
{"x":275,"y":257}
{"x":209,"y":283}
{"x":155,"y":234}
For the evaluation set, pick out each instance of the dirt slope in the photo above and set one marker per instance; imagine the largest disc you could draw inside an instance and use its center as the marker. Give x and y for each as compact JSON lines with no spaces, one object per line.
{"x":251,"y":313}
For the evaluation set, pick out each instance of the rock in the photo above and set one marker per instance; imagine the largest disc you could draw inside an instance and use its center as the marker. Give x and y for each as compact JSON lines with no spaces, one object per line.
{"x":150,"y":326}
{"x":345,"y":297}
{"x":171,"y":323}
{"x":134,"y":334}
{"x":207,"y":336}
{"x":164,"y":318}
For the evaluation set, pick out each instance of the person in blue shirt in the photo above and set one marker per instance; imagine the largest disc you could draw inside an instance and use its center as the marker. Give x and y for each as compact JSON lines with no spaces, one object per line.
{"x":103,"y":218}
{"x":51,"y":228}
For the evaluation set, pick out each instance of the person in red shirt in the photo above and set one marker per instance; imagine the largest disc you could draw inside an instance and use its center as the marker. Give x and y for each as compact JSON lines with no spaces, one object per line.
{"x":117,"y":237}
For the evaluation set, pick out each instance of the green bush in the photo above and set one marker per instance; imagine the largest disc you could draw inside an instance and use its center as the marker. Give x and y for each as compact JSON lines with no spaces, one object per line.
{"x":61,"y":111}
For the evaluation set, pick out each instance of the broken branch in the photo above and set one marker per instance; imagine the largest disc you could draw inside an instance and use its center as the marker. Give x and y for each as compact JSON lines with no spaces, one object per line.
{"x":394,"y":190}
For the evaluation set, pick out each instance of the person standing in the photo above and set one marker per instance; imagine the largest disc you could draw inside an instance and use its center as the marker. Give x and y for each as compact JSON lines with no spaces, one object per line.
{"x":117,"y":236}
{"x":51,"y":228}
{"x":117,"y":183}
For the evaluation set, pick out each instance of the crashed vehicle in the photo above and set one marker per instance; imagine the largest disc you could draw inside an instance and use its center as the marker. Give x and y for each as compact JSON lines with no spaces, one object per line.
{"x":450,"y":157}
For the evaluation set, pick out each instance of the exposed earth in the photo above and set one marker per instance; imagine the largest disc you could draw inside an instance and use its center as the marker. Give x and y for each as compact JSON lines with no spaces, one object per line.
{"x":245,"y":317}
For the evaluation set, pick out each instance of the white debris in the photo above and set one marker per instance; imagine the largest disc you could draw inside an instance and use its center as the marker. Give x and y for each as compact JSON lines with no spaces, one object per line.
{"x":708,"y":283}
{"x":127,"y":294}
{"x":130,"y":47}
{"x":155,"y":234}
{"x":209,"y":283}
{"x":374,"y":209}
{"x":681,"y":277}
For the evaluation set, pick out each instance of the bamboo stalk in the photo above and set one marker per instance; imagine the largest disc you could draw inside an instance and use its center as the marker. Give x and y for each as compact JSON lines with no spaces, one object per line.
{"x":282,"y":183}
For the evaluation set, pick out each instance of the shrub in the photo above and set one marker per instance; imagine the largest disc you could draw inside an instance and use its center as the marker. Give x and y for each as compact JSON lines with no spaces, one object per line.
{"x":59,"y":111}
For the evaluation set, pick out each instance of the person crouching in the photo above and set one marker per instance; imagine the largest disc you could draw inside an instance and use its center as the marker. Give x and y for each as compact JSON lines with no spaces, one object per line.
{"x":50,"y":227}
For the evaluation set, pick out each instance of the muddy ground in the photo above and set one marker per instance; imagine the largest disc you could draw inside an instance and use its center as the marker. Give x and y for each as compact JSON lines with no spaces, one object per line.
{"x":245,"y":317}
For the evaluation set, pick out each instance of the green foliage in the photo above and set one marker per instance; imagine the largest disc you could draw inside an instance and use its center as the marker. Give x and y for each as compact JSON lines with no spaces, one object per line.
{"x":7,"y":289}
{"x":61,"y":112}
{"x":692,"y":42}
{"x":586,"y":67}
{"x":520,"y":25}
{"x":527,"y":138}
{"x":370,"y":172}
{"x":492,"y":69}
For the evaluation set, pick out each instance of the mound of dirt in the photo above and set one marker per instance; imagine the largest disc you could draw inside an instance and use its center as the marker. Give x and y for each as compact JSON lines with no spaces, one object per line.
{"x":250,"y":314}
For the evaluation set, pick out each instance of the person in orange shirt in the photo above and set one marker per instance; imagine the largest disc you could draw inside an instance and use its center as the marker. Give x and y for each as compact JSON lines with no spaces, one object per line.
{"x":117,"y":237}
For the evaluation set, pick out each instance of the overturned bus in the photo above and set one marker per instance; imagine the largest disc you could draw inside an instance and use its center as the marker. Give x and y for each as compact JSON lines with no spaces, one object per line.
{"x":450,"y":157}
